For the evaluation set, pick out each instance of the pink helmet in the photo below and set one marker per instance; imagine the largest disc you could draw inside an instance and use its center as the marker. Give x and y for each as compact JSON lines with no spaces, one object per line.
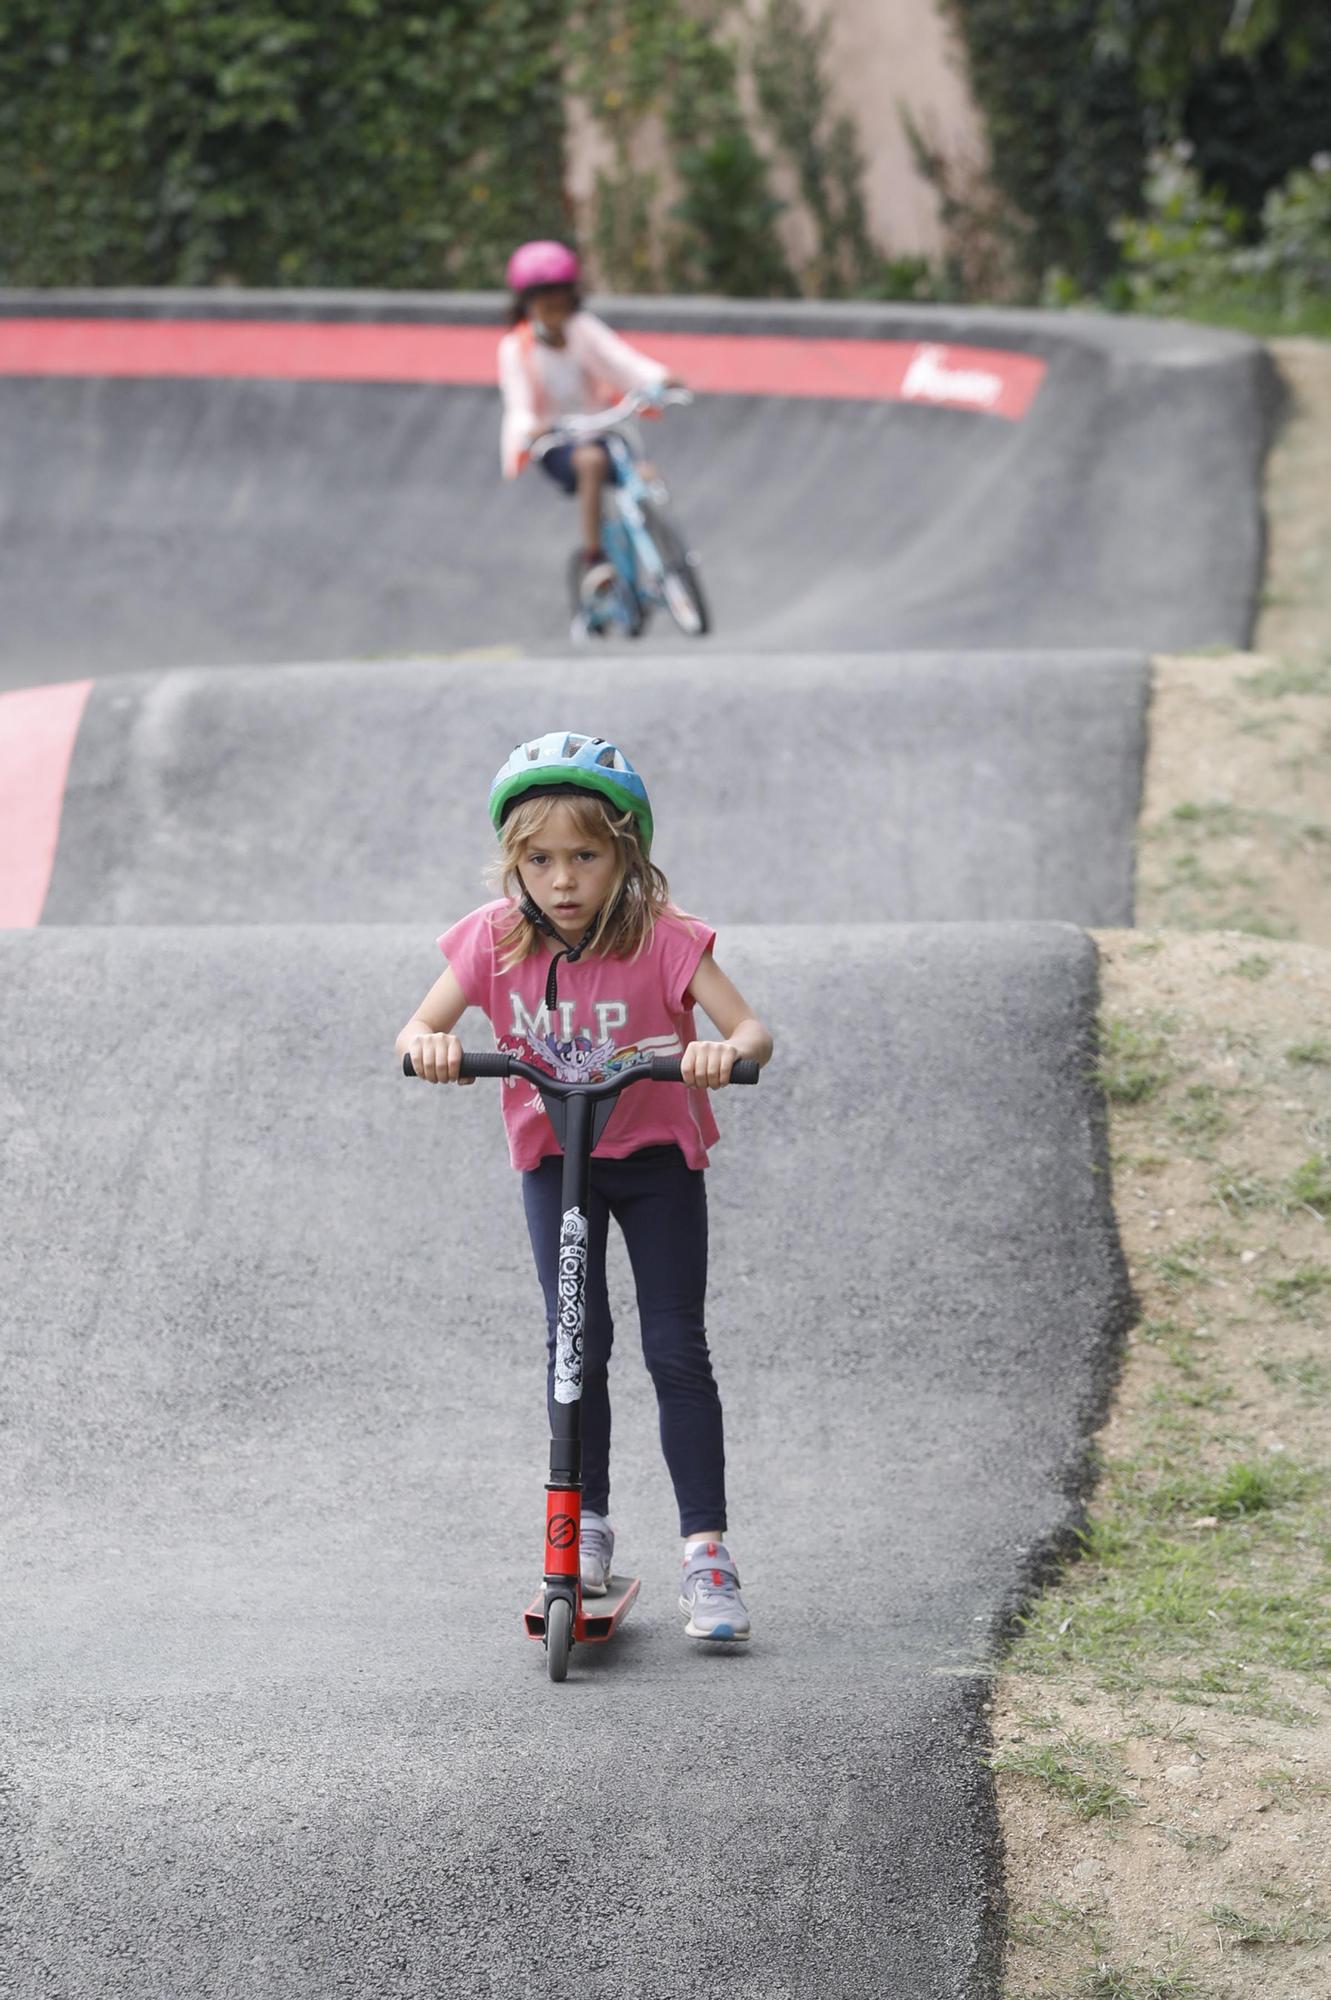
{"x":542,"y":264}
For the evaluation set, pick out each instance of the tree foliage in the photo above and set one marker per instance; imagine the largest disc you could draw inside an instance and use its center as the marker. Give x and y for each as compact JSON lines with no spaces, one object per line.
{"x":662,"y":78}
{"x":1064,"y":122}
{"x":302,"y":142}
{"x":1168,"y":41}
{"x":822,"y":145}
{"x":1077,"y":93}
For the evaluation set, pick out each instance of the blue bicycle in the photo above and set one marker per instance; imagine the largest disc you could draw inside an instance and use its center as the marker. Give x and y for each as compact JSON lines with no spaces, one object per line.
{"x":653,"y":564}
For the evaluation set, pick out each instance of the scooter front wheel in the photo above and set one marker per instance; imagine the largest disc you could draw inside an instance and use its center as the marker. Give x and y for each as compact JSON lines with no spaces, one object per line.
{"x":558,"y":1637}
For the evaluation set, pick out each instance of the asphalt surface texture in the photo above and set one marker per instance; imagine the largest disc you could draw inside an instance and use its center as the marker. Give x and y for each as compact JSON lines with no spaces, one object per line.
{"x":275,"y":1383}
{"x":913,"y":787}
{"x":272,"y":1340}
{"x":170,"y":523}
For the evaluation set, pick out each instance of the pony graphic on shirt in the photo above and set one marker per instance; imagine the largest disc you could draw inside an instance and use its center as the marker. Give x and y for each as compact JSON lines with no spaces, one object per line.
{"x":579,"y":1060}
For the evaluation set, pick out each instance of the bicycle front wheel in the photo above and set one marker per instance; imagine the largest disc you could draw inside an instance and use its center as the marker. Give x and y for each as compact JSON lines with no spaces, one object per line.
{"x":681,"y":584}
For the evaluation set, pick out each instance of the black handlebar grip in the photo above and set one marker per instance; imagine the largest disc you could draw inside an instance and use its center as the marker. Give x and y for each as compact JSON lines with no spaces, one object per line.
{"x":665,"y":1069}
{"x":481,"y":1062}
{"x":485,"y":1062}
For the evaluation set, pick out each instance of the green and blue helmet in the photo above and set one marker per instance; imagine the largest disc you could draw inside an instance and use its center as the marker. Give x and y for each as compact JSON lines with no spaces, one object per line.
{"x":562,"y":763}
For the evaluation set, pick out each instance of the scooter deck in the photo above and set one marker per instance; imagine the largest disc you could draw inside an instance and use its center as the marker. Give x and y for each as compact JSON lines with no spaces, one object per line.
{"x":601,"y":1616}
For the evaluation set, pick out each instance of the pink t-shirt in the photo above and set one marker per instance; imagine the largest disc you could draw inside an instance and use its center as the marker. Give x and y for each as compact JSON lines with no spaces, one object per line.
{"x":611,"y":1012}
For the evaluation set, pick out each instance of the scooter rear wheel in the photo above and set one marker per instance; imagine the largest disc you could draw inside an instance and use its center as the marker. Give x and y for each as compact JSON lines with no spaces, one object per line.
{"x":558,"y":1637}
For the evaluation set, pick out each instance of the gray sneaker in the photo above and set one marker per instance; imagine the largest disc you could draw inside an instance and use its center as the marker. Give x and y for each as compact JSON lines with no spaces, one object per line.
{"x":709,"y":1593}
{"x":596,"y":1550}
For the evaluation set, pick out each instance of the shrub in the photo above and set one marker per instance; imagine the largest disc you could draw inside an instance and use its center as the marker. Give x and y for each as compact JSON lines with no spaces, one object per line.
{"x":303,"y":142}
{"x":1188,"y":251}
{"x":1183,"y":246}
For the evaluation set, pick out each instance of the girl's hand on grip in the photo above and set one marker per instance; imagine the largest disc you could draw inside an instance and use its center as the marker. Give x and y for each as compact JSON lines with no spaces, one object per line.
{"x":438,"y":1058}
{"x":707,"y":1065}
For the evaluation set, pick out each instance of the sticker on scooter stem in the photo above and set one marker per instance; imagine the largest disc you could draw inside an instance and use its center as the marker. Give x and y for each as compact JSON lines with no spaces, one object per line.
{"x":571,"y":1292}
{"x":561,"y":1531}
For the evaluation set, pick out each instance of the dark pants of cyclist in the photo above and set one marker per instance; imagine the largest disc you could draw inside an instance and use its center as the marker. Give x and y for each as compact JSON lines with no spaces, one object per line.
{"x":557,"y":463}
{"x":660,"y":1204}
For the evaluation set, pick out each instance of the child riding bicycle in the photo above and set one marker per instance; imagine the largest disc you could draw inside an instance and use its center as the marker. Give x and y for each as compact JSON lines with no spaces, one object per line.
{"x":562,"y":361}
{"x":584,"y":967}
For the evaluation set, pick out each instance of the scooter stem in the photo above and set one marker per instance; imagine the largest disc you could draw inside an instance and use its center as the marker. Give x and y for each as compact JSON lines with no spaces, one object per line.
{"x":563,"y":1493}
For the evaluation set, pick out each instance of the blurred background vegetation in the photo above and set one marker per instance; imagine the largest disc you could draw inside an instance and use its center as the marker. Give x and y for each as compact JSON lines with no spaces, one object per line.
{"x":1155,"y":155}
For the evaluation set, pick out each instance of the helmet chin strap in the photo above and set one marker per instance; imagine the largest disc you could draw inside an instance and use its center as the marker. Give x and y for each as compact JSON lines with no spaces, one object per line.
{"x":572,"y":952}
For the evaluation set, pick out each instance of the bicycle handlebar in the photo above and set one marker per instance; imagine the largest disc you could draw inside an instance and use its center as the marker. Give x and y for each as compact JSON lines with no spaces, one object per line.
{"x":656,"y":1069}
{"x":608,"y":420}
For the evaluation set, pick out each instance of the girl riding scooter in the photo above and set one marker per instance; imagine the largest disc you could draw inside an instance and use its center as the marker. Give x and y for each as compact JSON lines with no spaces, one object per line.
{"x":583,"y":966}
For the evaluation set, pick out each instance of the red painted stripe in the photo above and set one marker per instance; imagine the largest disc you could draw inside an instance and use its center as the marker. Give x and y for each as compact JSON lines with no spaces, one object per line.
{"x":988,"y":380}
{"x":37,"y":730}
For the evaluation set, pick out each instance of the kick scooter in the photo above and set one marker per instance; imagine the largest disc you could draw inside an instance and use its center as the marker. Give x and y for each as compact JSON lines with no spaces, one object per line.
{"x":579,"y":1113}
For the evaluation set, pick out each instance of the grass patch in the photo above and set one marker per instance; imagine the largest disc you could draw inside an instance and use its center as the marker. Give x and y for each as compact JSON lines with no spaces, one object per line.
{"x":1309,"y":1376}
{"x":1077,"y":1772}
{"x":1251,"y":922}
{"x":1264,"y":727}
{"x":1253,"y":1489}
{"x":1239,"y":1193}
{"x":1238,"y":1689}
{"x":1286,"y":677}
{"x":1107,"y":1981}
{"x":1217,"y":817}
{"x":1300,"y":1292}
{"x":1248,"y":315}
{"x":1152,"y":1585}
{"x":1305,"y":832}
{"x":1314,"y":1054}
{"x":1198,"y":1393}
{"x":1208,"y":1682}
{"x":1297,"y":1927}
{"x":1168,"y":1330}
{"x":1247,"y":1487}
{"x":1309,"y":1186}
{"x":1255,"y":966}
{"x":1196,"y":1843}
{"x":1201,"y":1114}
{"x":1132,"y":1063}
{"x":1288,"y":1789}
{"x":1181,"y":1267}
{"x":1040,"y":1927}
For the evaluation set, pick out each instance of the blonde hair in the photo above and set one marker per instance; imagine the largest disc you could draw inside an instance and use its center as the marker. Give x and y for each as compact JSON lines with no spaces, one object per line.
{"x":639,"y":895}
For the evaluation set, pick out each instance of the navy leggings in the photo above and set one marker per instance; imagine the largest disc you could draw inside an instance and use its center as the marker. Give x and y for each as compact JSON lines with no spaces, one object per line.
{"x":660,"y":1204}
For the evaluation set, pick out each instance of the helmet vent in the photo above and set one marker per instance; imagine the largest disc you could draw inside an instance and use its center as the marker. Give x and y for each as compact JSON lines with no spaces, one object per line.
{"x":607,"y":758}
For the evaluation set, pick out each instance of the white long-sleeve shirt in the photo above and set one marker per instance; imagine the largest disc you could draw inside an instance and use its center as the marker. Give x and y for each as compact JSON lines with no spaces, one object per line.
{"x":541,"y":383}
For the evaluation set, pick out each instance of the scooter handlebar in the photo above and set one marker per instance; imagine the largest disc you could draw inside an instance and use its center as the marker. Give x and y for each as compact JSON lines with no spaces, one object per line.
{"x":663,"y":1069}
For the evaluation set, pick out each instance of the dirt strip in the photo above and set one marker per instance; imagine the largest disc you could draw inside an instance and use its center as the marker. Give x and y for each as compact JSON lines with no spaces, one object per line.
{"x":1163,"y":1731}
{"x":1163,"y":1735}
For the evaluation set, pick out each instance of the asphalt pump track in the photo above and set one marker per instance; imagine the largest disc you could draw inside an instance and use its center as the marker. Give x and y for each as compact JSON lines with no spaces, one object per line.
{"x":272,"y":1338}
